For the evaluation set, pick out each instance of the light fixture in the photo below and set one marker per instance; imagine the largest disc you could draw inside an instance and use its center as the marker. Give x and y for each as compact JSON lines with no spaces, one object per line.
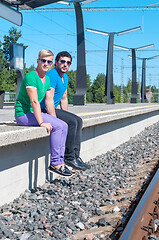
{"x":109,"y":67}
{"x":79,"y":98}
{"x":88,"y":1}
{"x":137,"y":49}
{"x":146,"y":58}
{"x":147,"y":46}
{"x":153,"y":57}
{"x":152,"y":4}
{"x":143,"y":79}
{"x":120,"y":47}
{"x":97,"y":31}
{"x":65,"y":3}
{"x":134,"y":82}
{"x":129,"y":30}
{"x":10,"y":14}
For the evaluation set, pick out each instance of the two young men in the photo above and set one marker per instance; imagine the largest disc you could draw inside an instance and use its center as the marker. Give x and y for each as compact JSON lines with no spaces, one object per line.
{"x":35,"y":86}
{"x":59,"y":83}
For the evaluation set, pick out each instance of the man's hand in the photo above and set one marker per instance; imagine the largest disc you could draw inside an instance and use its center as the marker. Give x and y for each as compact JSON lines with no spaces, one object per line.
{"x":47,"y":126}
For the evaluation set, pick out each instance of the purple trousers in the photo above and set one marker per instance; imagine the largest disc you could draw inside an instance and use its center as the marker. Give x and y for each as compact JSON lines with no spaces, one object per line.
{"x":57,"y":135}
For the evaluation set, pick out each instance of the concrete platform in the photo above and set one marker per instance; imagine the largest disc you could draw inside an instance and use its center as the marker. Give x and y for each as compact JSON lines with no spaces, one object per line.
{"x":24,"y":151}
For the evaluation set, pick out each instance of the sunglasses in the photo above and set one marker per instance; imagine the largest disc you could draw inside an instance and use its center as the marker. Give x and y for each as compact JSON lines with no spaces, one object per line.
{"x":46,"y":61}
{"x":68,"y":62}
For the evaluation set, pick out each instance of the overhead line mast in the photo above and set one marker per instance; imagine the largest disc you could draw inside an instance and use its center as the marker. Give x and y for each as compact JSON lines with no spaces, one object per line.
{"x":136,"y":8}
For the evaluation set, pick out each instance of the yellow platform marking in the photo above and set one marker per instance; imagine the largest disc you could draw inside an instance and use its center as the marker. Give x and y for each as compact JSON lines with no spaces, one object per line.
{"x":115,"y":110}
{"x":94,"y":113}
{"x":7,"y":124}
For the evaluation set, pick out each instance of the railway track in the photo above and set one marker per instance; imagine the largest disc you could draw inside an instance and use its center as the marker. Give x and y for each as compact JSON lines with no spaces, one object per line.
{"x":144,"y":223}
{"x":113,"y":224}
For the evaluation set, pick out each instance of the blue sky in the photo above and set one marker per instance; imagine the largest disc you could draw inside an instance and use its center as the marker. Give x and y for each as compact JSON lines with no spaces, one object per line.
{"x":57,"y":31}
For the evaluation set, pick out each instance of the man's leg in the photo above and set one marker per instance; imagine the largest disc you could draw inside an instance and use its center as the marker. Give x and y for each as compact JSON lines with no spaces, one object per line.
{"x":57,"y":135}
{"x":57,"y":140}
{"x":73,"y":141}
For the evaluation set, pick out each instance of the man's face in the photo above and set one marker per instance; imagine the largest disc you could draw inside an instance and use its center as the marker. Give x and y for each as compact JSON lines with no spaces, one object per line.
{"x":45,"y":63}
{"x":63,"y":64}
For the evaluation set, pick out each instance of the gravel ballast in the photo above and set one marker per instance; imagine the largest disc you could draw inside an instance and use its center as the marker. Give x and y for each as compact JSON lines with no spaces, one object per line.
{"x":59,"y":209}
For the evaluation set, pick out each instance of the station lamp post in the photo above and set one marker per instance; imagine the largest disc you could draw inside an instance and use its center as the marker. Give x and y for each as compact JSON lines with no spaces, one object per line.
{"x":143,"y":79}
{"x":79,"y":98}
{"x":134,"y":82}
{"x":17,"y":53}
{"x":109,"y":68}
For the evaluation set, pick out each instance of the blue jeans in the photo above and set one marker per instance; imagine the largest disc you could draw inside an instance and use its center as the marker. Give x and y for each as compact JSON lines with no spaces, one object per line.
{"x":57,"y":135}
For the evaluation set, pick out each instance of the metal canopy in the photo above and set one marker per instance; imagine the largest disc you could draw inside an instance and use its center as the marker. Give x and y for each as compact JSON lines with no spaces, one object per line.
{"x":28,"y":4}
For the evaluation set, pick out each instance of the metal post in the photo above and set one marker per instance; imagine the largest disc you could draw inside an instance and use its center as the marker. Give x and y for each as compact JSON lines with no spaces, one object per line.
{"x":109,"y":72}
{"x":149,"y":92}
{"x":20,"y":76}
{"x":79,"y":98}
{"x":158,"y":91}
{"x":134,"y":83}
{"x":143,"y":81}
{"x":122,"y":76}
{"x":139,"y":87}
{"x":17,"y":53}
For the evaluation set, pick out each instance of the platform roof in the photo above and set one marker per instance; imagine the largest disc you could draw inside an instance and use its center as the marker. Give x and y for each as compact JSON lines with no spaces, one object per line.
{"x":30,"y":4}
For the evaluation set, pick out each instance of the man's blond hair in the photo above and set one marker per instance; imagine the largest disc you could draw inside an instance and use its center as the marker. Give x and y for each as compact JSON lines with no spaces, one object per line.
{"x":45,"y":52}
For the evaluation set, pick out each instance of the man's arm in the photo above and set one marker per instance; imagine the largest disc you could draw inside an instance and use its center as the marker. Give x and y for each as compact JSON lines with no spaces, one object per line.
{"x":32,"y":93}
{"x":64,"y":102}
{"x":49,"y":102}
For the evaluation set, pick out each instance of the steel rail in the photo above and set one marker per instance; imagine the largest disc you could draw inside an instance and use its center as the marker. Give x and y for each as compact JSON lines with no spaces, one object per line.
{"x":142,"y":214}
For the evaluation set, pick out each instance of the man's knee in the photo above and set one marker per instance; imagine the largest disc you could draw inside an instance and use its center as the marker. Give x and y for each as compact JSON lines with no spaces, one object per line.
{"x":65,"y":126}
{"x":72,"y":121}
{"x":75,"y":122}
{"x":80,"y":121}
{"x":59,"y":126}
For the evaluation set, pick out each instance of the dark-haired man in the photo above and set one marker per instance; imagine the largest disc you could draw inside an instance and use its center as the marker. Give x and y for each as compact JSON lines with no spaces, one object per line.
{"x":59,"y":84}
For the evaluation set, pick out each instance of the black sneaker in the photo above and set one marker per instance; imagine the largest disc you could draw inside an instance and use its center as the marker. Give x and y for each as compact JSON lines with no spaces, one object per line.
{"x":84,"y":164}
{"x":74,"y":163}
{"x":63,"y":170}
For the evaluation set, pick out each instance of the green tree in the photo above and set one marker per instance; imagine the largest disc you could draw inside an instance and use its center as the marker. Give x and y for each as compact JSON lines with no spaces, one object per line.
{"x":71,"y":85}
{"x":27,"y":70}
{"x":8,"y":80}
{"x":128,"y":90}
{"x":8,"y":77}
{"x":117,"y":93}
{"x":13,"y":37}
{"x":89,"y":95}
{"x":154,"y":98}
{"x":99,"y":83}
{"x":99,"y":95}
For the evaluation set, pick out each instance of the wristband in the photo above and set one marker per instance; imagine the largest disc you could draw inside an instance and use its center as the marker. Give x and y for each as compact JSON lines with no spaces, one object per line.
{"x":41,"y":123}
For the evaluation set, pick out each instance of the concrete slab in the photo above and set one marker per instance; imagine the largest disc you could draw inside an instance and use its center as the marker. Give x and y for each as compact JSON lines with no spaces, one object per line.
{"x":92,"y":114}
{"x":24,"y":151}
{"x":89,"y":110}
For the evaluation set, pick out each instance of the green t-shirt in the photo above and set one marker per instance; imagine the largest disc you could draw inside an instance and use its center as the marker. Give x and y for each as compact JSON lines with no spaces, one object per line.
{"x":23,"y":104}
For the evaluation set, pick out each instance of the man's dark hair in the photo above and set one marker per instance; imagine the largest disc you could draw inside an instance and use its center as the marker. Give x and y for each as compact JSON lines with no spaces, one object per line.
{"x":63,"y":54}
